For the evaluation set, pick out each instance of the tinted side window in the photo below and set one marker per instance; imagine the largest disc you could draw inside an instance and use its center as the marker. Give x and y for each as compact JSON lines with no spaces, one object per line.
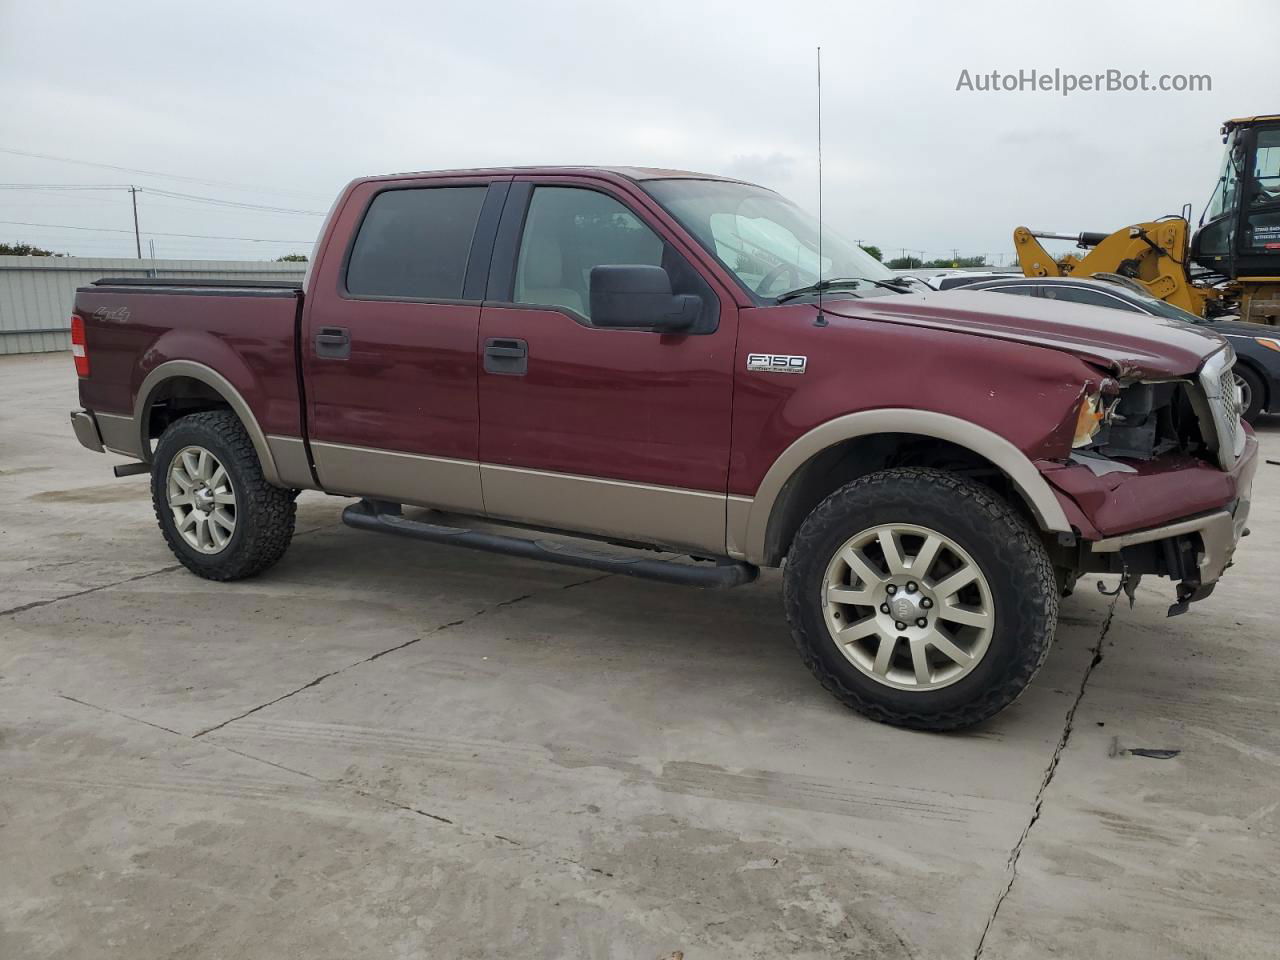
{"x":1091,"y":297}
{"x":569,"y":230}
{"x":415,"y":243}
{"x":1019,"y":290}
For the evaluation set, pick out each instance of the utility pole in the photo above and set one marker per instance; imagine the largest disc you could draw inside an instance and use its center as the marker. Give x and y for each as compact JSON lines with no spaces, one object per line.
{"x":137,"y":237}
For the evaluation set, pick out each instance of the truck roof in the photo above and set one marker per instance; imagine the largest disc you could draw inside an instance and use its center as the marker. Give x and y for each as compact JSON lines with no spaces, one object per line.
{"x":629,"y":173}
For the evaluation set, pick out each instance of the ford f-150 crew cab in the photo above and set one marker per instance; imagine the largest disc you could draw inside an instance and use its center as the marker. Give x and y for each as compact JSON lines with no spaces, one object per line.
{"x":664,"y":361}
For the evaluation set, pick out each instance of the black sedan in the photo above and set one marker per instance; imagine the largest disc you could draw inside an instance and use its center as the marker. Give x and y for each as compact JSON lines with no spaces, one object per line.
{"x":1257,"y":347}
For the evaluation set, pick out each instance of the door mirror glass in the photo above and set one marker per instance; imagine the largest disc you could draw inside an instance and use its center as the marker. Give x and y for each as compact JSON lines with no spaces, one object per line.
{"x":639,"y":297}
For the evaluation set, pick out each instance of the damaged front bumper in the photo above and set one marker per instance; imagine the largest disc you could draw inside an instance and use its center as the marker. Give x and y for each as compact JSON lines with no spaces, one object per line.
{"x":1125,"y":525}
{"x":1219,"y":532}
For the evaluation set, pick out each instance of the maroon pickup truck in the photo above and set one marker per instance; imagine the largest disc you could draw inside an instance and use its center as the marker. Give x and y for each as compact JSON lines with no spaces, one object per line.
{"x":675,"y":363}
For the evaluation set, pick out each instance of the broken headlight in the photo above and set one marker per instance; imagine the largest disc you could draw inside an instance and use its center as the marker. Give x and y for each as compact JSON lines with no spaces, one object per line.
{"x":1096,"y":410}
{"x":1137,"y":421}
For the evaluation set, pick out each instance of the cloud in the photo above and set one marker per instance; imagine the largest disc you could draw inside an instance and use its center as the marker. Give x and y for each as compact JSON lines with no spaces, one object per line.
{"x":302,"y":97}
{"x":774,"y":170}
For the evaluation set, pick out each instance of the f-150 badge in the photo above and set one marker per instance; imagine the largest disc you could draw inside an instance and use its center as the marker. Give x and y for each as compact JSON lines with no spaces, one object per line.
{"x":775,"y":363}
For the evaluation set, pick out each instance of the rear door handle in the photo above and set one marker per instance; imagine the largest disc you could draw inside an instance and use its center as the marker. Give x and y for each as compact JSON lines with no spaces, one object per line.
{"x":506,"y":356}
{"x":333,"y":343}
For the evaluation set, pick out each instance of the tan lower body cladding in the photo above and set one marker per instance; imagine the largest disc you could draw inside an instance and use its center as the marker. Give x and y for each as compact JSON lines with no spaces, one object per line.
{"x":400,"y":477}
{"x":643,"y":513}
{"x":666,"y":516}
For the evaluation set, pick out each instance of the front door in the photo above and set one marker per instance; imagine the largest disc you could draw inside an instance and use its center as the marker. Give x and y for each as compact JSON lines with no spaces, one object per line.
{"x":619,"y":433}
{"x":389,"y":349}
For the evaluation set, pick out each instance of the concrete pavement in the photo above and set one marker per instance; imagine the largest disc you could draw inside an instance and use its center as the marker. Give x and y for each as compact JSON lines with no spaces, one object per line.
{"x":384,"y":748}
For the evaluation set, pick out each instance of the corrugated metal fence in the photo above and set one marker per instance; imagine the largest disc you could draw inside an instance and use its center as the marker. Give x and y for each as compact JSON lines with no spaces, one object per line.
{"x":37,"y":293}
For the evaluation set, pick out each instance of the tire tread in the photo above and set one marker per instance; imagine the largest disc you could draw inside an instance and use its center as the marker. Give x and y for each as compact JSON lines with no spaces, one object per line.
{"x":1013,"y":538}
{"x":268,"y":511}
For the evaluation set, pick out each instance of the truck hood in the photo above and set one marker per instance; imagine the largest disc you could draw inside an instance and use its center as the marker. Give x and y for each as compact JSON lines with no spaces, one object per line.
{"x":1127,"y":345}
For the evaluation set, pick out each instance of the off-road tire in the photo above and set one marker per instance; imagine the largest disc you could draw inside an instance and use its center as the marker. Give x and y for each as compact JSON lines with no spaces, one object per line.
{"x":264,"y":513}
{"x":1005,"y":546}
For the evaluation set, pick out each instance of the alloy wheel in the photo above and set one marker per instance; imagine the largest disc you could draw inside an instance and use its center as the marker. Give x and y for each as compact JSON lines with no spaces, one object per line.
{"x":908,"y":607}
{"x":202,"y":499}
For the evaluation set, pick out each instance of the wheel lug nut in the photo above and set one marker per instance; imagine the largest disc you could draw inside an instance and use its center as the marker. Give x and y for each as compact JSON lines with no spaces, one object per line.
{"x":922,"y":622}
{"x":891,"y":589}
{"x":884,"y":608}
{"x":911,"y":586}
{"x":900,"y":625}
{"x":926,"y":603}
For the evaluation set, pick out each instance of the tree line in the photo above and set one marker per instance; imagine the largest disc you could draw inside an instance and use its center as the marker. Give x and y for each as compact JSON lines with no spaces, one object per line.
{"x":915,"y":263}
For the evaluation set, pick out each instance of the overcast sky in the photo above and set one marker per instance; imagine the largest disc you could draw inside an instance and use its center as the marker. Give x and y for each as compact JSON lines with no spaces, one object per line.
{"x":279,"y":105}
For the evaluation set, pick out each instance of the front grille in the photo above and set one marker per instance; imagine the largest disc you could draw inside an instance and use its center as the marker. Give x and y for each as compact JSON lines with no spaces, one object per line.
{"x":1230,"y":395}
{"x":1219,"y":385}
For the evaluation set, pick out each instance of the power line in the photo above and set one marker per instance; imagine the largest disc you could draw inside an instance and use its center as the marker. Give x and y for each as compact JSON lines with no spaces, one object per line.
{"x":64,"y":186}
{"x":154,"y":173}
{"x":216,"y":201}
{"x":156,"y":191}
{"x":151,"y":233}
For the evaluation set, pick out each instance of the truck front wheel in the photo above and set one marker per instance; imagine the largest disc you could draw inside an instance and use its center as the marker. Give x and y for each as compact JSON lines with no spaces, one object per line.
{"x":920,"y":599}
{"x":219,"y":515}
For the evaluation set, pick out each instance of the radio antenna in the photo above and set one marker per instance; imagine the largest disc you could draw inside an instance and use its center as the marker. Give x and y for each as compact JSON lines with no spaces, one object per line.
{"x":820,"y":320}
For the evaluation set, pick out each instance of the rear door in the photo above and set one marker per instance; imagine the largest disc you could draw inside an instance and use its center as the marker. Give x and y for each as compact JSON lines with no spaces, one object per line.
{"x":618,"y":433}
{"x":389,"y":345}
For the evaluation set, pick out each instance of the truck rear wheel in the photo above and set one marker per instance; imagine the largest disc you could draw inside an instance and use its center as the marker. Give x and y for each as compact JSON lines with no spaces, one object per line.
{"x":219,"y":515}
{"x":920,"y":599}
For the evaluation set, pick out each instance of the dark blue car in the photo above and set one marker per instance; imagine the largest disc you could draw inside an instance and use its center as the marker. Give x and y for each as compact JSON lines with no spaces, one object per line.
{"x":1257,"y":347}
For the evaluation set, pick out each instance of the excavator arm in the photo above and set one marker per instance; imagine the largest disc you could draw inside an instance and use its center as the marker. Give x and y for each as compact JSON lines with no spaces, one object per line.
{"x":1154,"y":254}
{"x":1239,"y":243}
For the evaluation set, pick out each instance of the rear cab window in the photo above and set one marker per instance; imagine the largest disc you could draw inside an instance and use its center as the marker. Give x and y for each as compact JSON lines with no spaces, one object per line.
{"x":414,"y":243}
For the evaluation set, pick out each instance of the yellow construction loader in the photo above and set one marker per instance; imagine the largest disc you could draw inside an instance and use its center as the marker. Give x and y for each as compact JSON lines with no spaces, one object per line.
{"x":1230,"y":266}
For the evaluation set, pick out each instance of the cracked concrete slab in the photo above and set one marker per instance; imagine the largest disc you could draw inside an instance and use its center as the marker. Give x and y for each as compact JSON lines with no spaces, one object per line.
{"x":383,"y":747}
{"x":197,"y":653}
{"x":1050,"y":771}
{"x":1184,"y":858}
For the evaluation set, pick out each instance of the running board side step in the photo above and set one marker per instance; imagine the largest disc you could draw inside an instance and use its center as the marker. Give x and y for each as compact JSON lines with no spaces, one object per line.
{"x":386,"y":517}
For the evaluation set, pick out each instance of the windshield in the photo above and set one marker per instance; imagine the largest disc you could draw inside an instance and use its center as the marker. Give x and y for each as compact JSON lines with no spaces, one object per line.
{"x":768,"y":242}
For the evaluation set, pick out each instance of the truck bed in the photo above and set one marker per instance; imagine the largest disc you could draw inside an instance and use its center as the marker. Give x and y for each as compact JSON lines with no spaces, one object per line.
{"x":245,"y":330}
